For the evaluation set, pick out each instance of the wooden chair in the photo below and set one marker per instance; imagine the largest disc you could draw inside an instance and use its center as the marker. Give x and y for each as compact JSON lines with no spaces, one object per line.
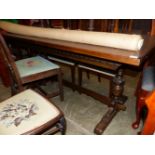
{"x":146,"y":84}
{"x":57,"y":23}
{"x":29,"y":71}
{"x":149,"y":124}
{"x":30,"y":113}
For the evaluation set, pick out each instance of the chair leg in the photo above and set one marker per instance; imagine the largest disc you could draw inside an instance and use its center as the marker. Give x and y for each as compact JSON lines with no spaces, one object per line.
{"x":73,"y":77}
{"x":110,"y":88}
{"x":60,"y":85}
{"x":139,"y":106}
{"x":79,"y":79}
{"x":87,"y":73}
{"x":62,"y":125}
{"x":138,"y":87}
{"x":99,"y":78}
{"x":135,"y":125}
{"x":15,"y":90}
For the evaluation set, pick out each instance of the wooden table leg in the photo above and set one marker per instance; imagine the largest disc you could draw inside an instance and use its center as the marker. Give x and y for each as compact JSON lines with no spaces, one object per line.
{"x":104,"y":122}
{"x":118,"y":100}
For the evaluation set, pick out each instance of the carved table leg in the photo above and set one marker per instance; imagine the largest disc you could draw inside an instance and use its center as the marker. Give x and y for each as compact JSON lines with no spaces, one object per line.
{"x":117,"y":99}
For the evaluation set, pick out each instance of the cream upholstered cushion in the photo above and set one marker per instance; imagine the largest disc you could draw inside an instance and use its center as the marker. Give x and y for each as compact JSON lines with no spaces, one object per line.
{"x":34,"y":65}
{"x":114,"y":40}
{"x":24,"y":112}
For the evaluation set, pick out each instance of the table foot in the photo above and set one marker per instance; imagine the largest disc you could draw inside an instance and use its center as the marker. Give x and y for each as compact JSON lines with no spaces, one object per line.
{"x":101,"y":126}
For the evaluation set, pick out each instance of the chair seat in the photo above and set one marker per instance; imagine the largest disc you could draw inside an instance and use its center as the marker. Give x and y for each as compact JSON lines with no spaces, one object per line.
{"x":25,"y":112}
{"x":148,"y":81}
{"x":34,"y":65}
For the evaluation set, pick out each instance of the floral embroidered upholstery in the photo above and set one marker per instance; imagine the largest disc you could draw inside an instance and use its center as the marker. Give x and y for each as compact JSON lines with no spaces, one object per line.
{"x":34,"y":65}
{"x":24,"y":112}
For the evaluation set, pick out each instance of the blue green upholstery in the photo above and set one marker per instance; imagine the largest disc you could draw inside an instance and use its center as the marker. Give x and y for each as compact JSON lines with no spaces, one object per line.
{"x":148,"y":81}
{"x":34,"y":65}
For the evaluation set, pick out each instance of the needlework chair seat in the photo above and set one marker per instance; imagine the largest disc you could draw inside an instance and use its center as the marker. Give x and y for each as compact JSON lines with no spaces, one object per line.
{"x":39,"y":67}
{"x":27,"y":113}
{"x":34,"y":65}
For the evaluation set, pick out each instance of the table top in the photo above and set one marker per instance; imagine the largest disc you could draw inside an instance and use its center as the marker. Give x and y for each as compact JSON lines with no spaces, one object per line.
{"x":133,"y":58}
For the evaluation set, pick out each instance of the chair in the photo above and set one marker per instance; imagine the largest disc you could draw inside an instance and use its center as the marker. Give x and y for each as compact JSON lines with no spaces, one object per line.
{"x":145,"y":86}
{"x":149,"y":124}
{"x":30,"y":113}
{"x":26,"y":72}
{"x":57,"y":23}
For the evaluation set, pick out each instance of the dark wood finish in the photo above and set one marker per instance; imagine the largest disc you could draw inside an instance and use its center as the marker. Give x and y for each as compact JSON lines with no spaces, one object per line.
{"x":53,"y":126}
{"x":153,"y":28}
{"x":118,"y":100}
{"x":115,"y":25}
{"x":115,"y":83}
{"x":104,"y":122}
{"x":100,"y":97}
{"x":111,"y":54}
{"x":87,"y":54}
{"x":140,"y":105}
{"x":104,"y":74}
{"x":140,"y":93}
{"x":3,"y":72}
{"x":108,"y":26}
{"x":72,"y":70}
{"x":83,"y":53}
{"x":56,"y":23}
{"x":17,"y":82}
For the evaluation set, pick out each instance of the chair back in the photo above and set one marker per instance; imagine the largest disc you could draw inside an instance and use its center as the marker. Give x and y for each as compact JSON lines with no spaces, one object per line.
{"x":9,"y":63}
{"x":117,"y":25}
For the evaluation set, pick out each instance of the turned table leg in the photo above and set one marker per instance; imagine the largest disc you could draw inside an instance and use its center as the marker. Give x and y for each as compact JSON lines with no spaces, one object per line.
{"x":117,"y":100}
